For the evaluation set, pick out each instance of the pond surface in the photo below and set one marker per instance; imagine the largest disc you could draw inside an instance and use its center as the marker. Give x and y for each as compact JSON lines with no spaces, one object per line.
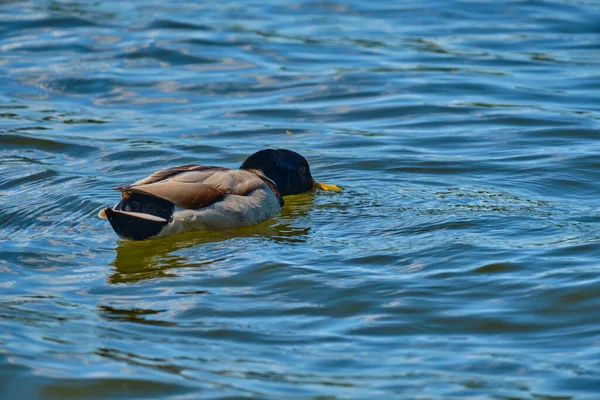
{"x":461,"y":260}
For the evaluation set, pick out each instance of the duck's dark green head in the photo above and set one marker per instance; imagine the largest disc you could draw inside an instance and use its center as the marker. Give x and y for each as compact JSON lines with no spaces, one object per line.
{"x":288,"y":169}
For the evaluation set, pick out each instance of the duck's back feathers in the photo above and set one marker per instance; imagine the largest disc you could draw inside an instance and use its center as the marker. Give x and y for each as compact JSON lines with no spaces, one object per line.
{"x":189,"y":194}
{"x":169,"y":172}
{"x":194,"y":186}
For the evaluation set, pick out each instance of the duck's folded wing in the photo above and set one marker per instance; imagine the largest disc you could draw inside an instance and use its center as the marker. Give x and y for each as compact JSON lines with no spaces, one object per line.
{"x":194,"y":186}
{"x":203,"y":170}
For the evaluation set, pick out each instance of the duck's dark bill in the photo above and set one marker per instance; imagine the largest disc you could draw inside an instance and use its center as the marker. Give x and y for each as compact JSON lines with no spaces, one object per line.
{"x":133,"y":225}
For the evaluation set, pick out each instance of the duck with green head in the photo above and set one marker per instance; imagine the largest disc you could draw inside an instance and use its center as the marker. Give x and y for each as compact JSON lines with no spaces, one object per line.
{"x":195,"y":197}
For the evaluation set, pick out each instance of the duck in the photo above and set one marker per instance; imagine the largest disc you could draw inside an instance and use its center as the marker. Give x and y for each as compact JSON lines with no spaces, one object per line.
{"x":195,"y":197}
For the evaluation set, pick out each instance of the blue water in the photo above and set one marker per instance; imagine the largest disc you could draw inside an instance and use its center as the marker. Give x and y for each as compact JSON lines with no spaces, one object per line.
{"x":459,"y":262}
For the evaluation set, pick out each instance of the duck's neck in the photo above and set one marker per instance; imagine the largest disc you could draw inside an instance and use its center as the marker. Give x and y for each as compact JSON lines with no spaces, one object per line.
{"x":272,"y":185}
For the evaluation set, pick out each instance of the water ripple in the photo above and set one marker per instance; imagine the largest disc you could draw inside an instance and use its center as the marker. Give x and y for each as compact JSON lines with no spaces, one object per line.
{"x":459,"y":261}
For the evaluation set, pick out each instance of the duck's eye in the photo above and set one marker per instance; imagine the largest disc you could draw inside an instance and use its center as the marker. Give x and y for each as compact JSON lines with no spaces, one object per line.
{"x":302,"y":170}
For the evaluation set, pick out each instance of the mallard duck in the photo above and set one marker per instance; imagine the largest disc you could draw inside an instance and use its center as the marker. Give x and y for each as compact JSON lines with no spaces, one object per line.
{"x":195,"y":197}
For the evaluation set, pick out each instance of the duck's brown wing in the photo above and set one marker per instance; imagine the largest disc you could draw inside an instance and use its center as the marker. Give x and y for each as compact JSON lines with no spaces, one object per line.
{"x":194,"y":186}
{"x":169,"y":172}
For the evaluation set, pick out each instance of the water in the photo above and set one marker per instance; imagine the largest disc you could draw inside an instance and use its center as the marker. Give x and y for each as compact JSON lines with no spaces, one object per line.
{"x":460,"y":261}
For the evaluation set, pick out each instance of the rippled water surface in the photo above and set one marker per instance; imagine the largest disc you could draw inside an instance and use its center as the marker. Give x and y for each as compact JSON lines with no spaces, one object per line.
{"x":461,"y":260}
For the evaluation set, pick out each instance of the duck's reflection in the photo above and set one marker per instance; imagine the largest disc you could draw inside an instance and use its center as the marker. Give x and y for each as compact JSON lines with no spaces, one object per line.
{"x":155,"y":258}
{"x":132,"y":315}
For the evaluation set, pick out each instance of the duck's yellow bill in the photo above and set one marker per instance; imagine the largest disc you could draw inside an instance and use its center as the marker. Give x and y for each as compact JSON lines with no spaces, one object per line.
{"x":326,"y":186}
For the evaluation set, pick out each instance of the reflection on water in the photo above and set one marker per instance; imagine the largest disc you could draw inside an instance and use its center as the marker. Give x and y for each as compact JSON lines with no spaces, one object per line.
{"x":155,"y":258}
{"x":460,"y":261}
{"x":133,"y":315}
